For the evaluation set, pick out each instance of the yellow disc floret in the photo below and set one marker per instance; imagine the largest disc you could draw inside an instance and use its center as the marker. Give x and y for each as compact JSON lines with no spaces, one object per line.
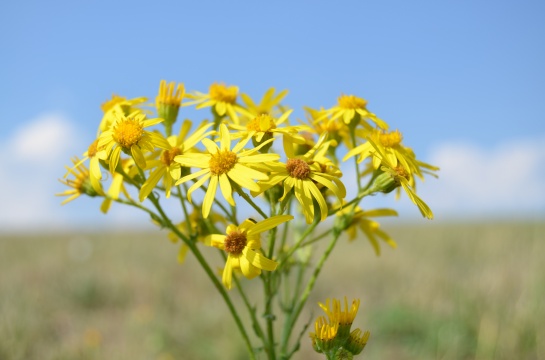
{"x":390,"y":139}
{"x":261,"y":123}
{"x":167,"y":156}
{"x":222,"y":161}
{"x":351,"y":102}
{"x":223,"y":93}
{"x":92,"y":149}
{"x":298,"y":168}
{"x":128,"y":132}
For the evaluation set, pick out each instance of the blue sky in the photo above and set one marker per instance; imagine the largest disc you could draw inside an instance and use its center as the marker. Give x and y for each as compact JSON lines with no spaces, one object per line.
{"x":463,"y":80}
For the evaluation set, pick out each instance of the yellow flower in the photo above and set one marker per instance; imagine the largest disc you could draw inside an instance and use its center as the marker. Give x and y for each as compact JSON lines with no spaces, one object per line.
{"x":127,"y":134}
{"x":395,"y":176}
{"x":357,"y":341}
{"x":243,"y":246}
{"x":333,"y":336}
{"x":268,"y":102}
{"x":120,"y":104}
{"x":81,"y":184}
{"x":221,"y":97}
{"x":168,"y":103}
{"x":334,"y":312}
{"x":222,"y":165}
{"x":390,"y":145}
{"x":359,"y":219}
{"x":350,"y":107}
{"x":196,"y":226}
{"x":324,"y":336}
{"x":321,"y":122}
{"x":166,"y":168}
{"x":263,"y":127}
{"x":95,"y":175}
{"x":303,"y":175}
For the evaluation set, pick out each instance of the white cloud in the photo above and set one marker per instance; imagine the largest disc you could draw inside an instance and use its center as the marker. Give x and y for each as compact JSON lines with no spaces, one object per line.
{"x":30,"y":161}
{"x":475,"y":181}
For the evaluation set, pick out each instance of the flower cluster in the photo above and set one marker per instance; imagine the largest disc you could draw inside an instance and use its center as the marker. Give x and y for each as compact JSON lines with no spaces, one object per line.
{"x":286,"y":172}
{"x":332,"y":335}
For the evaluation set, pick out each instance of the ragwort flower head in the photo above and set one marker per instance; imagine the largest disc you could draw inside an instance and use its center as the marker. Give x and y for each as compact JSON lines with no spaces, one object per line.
{"x":390,"y":144}
{"x":305,"y":177}
{"x":119,"y":104}
{"x":168,"y":103}
{"x":243,"y":246}
{"x":222,"y":98}
{"x":165,"y":167}
{"x":81,"y":184}
{"x":361,"y":219}
{"x":353,"y":111}
{"x":221,"y":165}
{"x":393,"y":177}
{"x":127,"y":134}
{"x":269,"y":104}
{"x":263,"y":127}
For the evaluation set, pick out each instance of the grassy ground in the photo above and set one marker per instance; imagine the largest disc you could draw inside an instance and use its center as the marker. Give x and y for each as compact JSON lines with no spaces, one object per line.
{"x":448,"y":292}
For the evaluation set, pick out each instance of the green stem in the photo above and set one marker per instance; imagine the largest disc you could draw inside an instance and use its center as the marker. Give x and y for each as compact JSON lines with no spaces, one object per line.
{"x":219,"y":286}
{"x":292,"y":318}
{"x":249,"y":201}
{"x":357,"y":199}
{"x":296,"y":246}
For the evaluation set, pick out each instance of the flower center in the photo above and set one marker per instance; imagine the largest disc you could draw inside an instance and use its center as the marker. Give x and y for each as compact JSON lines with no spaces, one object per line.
{"x":220,"y":92}
{"x":92,"y":149}
{"x":235,"y":242}
{"x":351,"y":102}
{"x":168,"y":155}
{"x":222,"y":161}
{"x":263,"y":122}
{"x":128,"y":133}
{"x":401,"y":172}
{"x":390,"y":139}
{"x":298,"y":168}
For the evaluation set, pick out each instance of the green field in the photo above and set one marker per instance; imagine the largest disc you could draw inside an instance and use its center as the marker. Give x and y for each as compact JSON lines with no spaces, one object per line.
{"x":448,"y":292}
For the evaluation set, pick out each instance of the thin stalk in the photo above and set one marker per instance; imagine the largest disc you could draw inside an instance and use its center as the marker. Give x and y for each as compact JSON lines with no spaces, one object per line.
{"x":219,"y":286}
{"x":304,"y":297}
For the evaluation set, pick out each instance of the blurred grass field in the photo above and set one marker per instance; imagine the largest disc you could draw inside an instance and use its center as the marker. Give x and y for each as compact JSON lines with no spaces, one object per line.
{"x":466,"y":291}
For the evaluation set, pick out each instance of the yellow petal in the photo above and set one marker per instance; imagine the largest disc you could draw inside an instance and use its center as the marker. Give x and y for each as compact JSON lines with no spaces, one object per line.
{"x":209,"y":196}
{"x":258,"y":260}
{"x":268,"y":224}
{"x":226,"y":189}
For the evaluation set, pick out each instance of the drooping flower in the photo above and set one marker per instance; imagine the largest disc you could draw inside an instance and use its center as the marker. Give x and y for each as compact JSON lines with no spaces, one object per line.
{"x":221,"y":165}
{"x":360,"y":219}
{"x":81,"y":184}
{"x":394,"y":177}
{"x":390,"y":145}
{"x":95,"y":175}
{"x":243,"y":246}
{"x":127,"y":134}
